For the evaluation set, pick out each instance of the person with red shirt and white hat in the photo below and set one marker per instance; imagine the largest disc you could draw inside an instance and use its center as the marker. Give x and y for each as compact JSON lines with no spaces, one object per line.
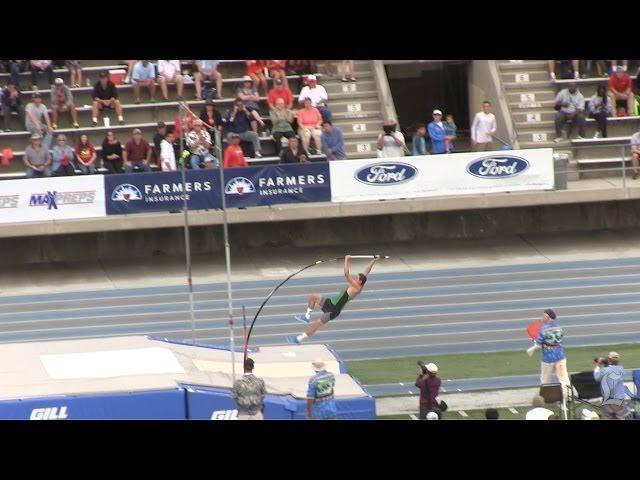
{"x":233,"y":155}
{"x":429,"y":384}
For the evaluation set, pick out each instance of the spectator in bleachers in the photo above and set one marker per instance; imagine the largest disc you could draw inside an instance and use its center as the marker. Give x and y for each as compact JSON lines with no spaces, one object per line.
{"x":211,"y":118}
{"x":276,"y":69}
{"x":438,"y":134}
{"x":11,"y":101}
{"x":75,"y":73}
{"x":158,"y":137}
{"x":41,"y":66}
{"x":635,"y":153}
{"x":293,"y":152}
{"x":332,"y":141}
{"x":62,"y":158}
{"x":280,"y":90}
{"x":62,"y":101}
{"x":86,"y":155}
{"x":318,"y":96}
{"x":15,"y":68}
{"x":419,"y":143}
{"x":233,"y":155}
{"x":255,"y":71}
{"x":239,"y":121}
{"x":600,"y":109}
{"x":105,"y":95}
{"x":281,"y":120}
{"x":483,"y":128}
{"x":310,"y":125}
{"x":575,"y":66}
{"x":208,"y":70}
{"x":130,"y":64}
{"x":452,"y":132}
{"x":491,"y":414}
{"x":199,"y":144}
{"x":620,"y":92}
{"x":37,"y":120}
{"x":347,"y":71}
{"x":569,"y":104}
{"x":586,"y":68}
{"x":37,"y":158}
{"x":167,"y":153}
{"x":169,"y":72}
{"x":614,"y":65}
{"x":248,"y":93}
{"x":112,"y":153}
{"x":300,"y":68}
{"x":144,"y":74}
{"x":137,"y":153}
{"x":538,"y":412}
{"x":390,"y":141}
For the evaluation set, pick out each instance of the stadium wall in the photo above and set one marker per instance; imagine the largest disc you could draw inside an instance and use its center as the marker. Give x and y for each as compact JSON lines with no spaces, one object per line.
{"x":480,"y":223}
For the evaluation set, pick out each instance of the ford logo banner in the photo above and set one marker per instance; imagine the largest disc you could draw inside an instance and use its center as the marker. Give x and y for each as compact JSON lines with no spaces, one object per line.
{"x":498,"y":166}
{"x":386,"y":173}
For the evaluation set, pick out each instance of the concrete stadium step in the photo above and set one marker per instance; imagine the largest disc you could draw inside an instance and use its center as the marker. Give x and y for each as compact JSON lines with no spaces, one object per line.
{"x":533,"y":96}
{"x":522,"y":65}
{"x":540,"y":115}
{"x":535,"y":106}
{"x":367,"y":85}
{"x":525,"y":86}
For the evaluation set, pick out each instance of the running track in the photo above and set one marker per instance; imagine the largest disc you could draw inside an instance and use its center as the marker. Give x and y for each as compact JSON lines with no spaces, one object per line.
{"x":399,"y":314}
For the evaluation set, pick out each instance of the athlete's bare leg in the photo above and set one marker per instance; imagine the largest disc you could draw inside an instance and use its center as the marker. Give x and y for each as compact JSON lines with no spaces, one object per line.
{"x":315,"y":326}
{"x":314,"y":300}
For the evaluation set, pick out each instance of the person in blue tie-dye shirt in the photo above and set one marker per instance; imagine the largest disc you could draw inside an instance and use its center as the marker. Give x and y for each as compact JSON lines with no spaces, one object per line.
{"x":549,"y":340}
{"x":321,"y":404}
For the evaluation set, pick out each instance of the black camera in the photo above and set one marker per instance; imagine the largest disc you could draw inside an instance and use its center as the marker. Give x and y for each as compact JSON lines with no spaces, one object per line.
{"x":602,"y":361}
{"x":423,"y":366}
{"x":389,"y":129}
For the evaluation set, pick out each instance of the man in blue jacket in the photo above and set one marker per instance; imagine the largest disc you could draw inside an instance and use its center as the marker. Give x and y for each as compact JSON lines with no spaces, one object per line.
{"x":438,"y":134}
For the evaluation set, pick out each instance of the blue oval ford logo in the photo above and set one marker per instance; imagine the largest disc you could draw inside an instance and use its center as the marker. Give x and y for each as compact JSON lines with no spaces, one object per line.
{"x":386,"y":173}
{"x":497,"y":166}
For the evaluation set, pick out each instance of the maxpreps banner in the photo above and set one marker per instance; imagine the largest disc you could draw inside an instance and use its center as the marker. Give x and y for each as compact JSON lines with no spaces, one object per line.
{"x":161,"y":192}
{"x":439,"y":175}
{"x":41,"y":199}
{"x":275,"y":184}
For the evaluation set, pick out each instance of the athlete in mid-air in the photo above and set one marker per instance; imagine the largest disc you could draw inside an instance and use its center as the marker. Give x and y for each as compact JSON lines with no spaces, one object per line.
{"x":331,"y":307}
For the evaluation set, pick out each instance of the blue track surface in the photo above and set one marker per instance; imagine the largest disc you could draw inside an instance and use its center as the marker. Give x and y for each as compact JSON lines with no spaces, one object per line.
{"x":399,"y":314}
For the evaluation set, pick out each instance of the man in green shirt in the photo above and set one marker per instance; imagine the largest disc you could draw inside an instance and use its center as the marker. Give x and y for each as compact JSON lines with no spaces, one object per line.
{"x":331,"y":307}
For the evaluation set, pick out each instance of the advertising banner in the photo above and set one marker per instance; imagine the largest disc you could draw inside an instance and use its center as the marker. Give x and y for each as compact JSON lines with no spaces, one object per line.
{"x":57,"y":198}
{"x":441,"y":175}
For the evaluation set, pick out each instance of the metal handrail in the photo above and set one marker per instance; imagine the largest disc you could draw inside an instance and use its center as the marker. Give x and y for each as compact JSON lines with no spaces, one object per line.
{"x":504,"y":105}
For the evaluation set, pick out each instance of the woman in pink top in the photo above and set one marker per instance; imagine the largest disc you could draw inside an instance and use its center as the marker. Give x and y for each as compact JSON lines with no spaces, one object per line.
{"x":310,"y":124}
{"x":86,"y":154}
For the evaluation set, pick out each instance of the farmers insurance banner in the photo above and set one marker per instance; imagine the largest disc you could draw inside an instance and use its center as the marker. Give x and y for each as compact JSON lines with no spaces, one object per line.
{"x":58,"y":198}
{"x":161,"y":191}
{"x":438,"y":175}
{"x":275,"y":184}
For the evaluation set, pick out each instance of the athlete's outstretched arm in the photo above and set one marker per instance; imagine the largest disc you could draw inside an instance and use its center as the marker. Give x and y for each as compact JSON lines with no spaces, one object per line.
{"x":347,"y":259}
{"x":369,"y":266}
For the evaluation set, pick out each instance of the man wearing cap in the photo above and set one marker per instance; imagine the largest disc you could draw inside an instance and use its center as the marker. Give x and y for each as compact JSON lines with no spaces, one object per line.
{"x":105,"y":95}
{"x":136,"y":153}
{"x":279,"y":90}
{"x":620,"y":93}
{"x":62,"y":101}
{"x":549,"y":340}
{"x":249,"y":392}
{"x":37,"y":158}
{"x":233,"y":154}
{"x":438,"y":134}
{"x":610,"y":374}
{"x":318,"y":96}
{"x":429,"y":384}
{"x":321,"y":404}
{"x":37,"y":120}
{"x":208,"y":70}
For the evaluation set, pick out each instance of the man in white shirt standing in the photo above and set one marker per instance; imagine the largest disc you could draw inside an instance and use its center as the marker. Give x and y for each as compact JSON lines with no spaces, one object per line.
{"x":318,"y":96}
{"x":169,"y":72}
{"x":482,"y":128}
{"x":167,"y":153}
{"x":538,"y":412}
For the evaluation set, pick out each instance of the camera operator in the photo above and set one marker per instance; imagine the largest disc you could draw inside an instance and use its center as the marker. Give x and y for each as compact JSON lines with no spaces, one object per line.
{"x":429,"y":384}
{"x":611,"y":377}
{"x":390,"y":142}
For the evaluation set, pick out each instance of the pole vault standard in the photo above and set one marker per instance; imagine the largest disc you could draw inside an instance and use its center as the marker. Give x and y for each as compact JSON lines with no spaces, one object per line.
{"x":318,"y":262}
{"x":185,"y":209}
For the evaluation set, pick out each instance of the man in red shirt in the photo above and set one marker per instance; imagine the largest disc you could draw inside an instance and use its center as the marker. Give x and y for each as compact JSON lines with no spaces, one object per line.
{"x":280,"y":90}
{"x":620,"y":91}
{"x":429,"y":384}
{"x":233,"y":156}
{"x":136,"y":154}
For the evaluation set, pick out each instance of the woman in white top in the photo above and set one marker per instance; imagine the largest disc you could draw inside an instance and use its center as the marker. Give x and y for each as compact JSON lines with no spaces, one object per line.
{"x":482,"y":128}
{"x":391,"y":142}
{"x":167,"y":154}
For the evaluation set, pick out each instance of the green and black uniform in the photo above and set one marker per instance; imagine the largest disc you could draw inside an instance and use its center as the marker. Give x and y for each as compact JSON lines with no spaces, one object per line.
{"x":333,"y":306}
